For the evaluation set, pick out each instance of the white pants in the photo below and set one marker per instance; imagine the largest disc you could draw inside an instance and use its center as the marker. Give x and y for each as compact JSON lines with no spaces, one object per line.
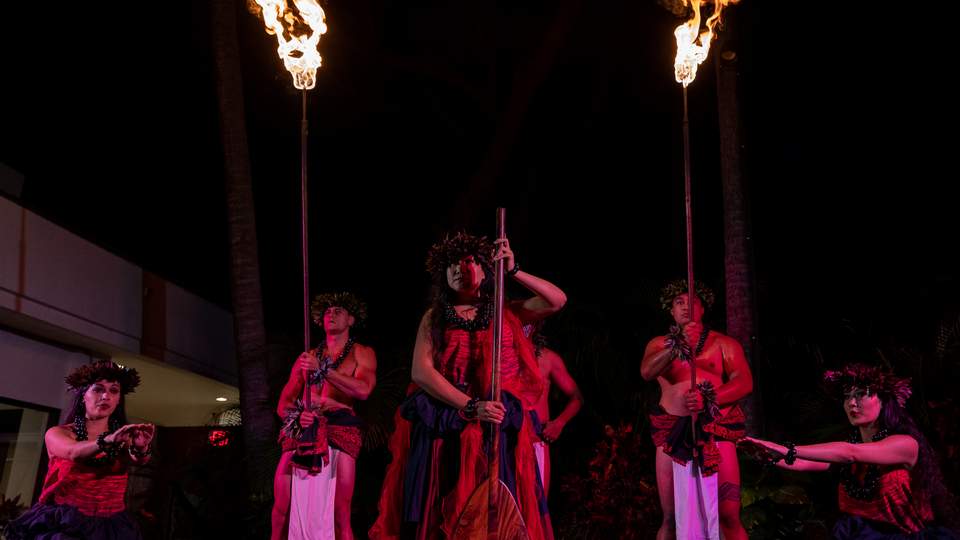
{"x":695,"y":503}
{"x":311,"y":501}
{"x":539,"y":449}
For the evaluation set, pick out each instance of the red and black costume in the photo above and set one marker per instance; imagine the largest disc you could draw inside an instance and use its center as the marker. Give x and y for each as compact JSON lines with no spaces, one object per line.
{"x":439,"y":458}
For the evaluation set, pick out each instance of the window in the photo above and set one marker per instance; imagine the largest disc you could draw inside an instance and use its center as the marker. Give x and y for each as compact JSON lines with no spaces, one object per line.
{"x":23,"y":459}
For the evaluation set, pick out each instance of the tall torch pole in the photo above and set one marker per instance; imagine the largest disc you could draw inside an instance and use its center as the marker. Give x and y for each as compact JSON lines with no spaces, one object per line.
{"x":298,"y":29}
{"x":304,"y":246}
{"x":691,"y":289}
{"x":494,"y":460}
{"x":692,"y":48}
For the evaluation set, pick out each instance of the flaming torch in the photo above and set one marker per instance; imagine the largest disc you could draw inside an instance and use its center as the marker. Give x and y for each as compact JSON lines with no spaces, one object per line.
{"x":298,"y":29}
{"x":298,"y":32}
{"x":692,"y":48}
{"x":693,"y":45}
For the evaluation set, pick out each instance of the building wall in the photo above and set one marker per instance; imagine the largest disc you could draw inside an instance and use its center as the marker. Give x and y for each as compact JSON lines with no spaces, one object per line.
{"x":52,"y":276}
{"x":33,"y":371}
{"x":210,"y":352}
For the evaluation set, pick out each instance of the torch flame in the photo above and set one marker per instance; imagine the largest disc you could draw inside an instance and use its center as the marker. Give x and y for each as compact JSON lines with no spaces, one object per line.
{"x":692,"y":48}
{"x":298,"y":34}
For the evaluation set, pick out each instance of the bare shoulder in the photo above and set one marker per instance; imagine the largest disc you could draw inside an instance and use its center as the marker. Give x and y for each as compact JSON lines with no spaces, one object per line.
{"x":551,"y":354}
{"x":726,"y":341}
{"x":364,"y":352}
{"x":901,"y":438}
{"x":65,"y":430}
{"x":545,"y":359}
{"x":550,"y":358}
{"x":657,"y":342}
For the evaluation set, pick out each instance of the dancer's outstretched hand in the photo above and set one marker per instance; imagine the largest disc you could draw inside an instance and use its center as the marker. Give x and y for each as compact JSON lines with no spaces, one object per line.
{"x":142,"y":435}
{"x":761,"y":450}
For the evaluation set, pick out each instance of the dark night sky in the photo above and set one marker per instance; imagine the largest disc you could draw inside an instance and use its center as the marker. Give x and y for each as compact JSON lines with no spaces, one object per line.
{"x":849,"y":185}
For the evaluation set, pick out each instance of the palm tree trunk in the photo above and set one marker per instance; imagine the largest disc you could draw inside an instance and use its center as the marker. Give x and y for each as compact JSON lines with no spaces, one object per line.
{"x":738,"y":256}
{"x":259,"y":426}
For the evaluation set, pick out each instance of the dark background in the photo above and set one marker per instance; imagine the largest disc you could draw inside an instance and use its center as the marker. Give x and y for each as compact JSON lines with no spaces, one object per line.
{"x":429,"y":115}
